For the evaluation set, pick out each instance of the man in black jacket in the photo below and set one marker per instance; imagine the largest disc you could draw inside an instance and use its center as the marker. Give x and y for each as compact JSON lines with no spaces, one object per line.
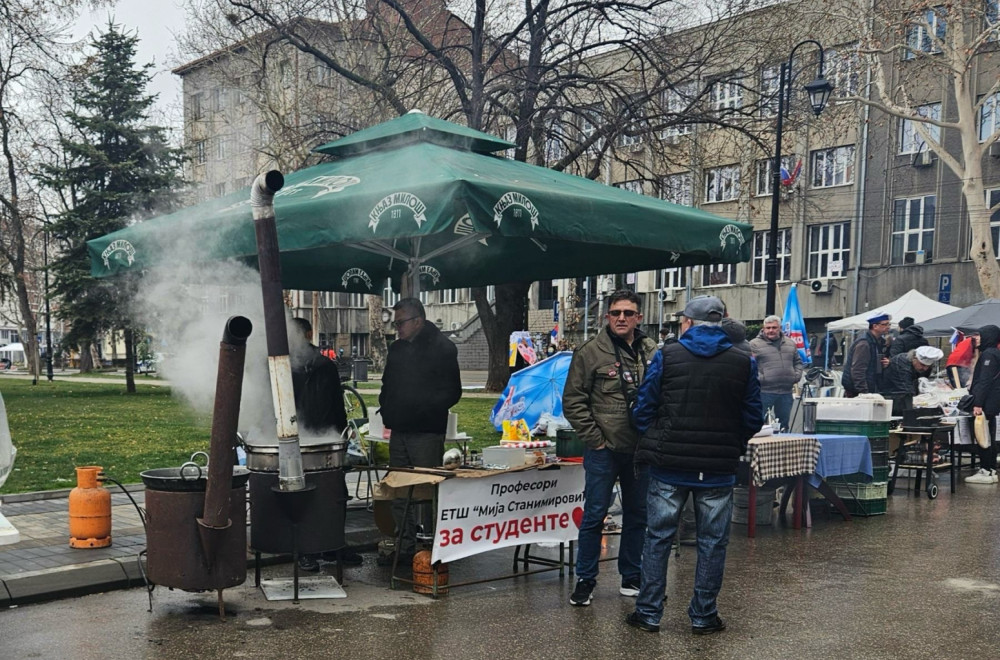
{"x":901,"y":377}
{"x":699,"y":404}
{"x":420,"y":382}
{"x":864,"y":362}
{"x":910,"y":337}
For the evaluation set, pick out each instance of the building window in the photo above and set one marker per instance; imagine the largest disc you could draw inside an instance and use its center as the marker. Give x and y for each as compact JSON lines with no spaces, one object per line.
{"x":829,"y":250}
{"x":218,"y":99}
{"x":843,"y":67}
{"x":727,"y":94}
{"x":356,"y":300}
{"x":722,"y":184}
{"x":556,"y":142}
{"x":761,"y":241}
{"x":833,"y":167}
{"x":590,"y":121}
{"x":791,"y":168}
{"x":925,"y":34}
{"x":197,"y":111}
{"x":633,"y":120}
{"x":199,"y":152}
{"x":219,"y":189}
{"x":912,"y":230}
{"x":671,"y":278}
{"x":989,"y":121}
{"x":676,"y":103}
{"x":635,"y":185}
{"x":678,"y":188}
{"x":718,"y":274}
{"x":992,"y":199}
{"x":221,"y":148}
{"x":770,"y":78}
{"x":491,"y":293}
{"x":910,"y":141}
{"x":446,"y":296}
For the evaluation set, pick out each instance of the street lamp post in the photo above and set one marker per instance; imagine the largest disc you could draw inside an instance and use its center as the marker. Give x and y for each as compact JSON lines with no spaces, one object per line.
{"x":48,"y":310}
{"x":819,"y":93}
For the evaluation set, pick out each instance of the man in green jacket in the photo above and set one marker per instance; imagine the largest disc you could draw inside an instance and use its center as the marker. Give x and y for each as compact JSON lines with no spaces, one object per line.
{"x":602,"y":384}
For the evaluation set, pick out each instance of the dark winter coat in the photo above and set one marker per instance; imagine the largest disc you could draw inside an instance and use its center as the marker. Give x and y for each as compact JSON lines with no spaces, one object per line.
{"x":319,"y":397}
{"x":863,"y":366}
{"x":420,"y":382}
{"x":985,"y":388}
{"x":900,"y":378}
{"x":908,"y":339}
{"x":699,"y":404}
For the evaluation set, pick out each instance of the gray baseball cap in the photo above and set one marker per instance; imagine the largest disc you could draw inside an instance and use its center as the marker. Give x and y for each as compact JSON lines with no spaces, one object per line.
{"x":705,"y":308}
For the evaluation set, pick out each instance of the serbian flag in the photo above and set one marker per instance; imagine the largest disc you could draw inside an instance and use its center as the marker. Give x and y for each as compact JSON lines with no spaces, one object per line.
{"x":787,"y":179}
{"x":794,"y":326}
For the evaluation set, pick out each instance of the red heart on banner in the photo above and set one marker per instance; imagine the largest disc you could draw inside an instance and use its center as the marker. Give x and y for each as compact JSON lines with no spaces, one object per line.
{"x":578,"y":516}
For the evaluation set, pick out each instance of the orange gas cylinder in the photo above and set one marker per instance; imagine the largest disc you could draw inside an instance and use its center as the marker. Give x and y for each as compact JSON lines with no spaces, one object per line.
{"x":423,"y":574}
{"x":89,"y":510}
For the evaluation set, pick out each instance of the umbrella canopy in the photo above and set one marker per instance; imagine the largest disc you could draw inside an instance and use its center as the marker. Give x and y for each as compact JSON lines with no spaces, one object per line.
{"x":912,"y":303}
{"x":423,"y":196}
{"x":973,"y":317}
{"x":534,"y":391}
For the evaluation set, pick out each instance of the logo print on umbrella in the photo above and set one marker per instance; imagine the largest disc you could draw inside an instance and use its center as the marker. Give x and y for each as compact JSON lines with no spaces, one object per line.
{"x":518,"y":200}
{"x":356,"y":275}
{"x":395,"y":204}
{"x":118,"y":246}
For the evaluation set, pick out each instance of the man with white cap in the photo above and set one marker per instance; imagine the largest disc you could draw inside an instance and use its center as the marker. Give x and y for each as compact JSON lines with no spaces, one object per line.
{"x":864,"y":363}
{"x":899,"y":382}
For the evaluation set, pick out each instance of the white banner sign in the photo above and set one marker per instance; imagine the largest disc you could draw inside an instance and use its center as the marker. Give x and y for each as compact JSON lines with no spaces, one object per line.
{"x":534,"y":506}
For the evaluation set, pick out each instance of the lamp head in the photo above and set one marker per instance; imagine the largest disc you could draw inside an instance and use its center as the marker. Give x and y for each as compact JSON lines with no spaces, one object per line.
{"x":819,"y":92}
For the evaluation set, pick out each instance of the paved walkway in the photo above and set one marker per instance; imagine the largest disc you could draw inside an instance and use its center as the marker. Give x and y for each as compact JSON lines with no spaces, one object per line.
{"x":41,"y":565}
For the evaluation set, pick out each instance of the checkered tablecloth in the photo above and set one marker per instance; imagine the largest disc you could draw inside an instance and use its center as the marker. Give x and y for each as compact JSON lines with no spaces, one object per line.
{"x":780,"y":456}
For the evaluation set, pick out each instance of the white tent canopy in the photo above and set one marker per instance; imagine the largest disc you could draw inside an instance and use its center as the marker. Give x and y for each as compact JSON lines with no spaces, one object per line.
{"x":13,"y":352}
{"x":912,"y":303}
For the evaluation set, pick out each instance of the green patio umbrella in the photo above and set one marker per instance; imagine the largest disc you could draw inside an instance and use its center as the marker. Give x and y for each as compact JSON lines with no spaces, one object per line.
{"x":427,"y":198}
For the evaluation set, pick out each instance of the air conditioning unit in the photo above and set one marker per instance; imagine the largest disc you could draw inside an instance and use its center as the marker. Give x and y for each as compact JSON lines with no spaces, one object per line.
{"x":923,"y":159}
{"x":995,"y":149}
{"x":821,"y":285}
{"x":915,"y":257}
{"x":668,"y":295}
{"x":455,"y":325}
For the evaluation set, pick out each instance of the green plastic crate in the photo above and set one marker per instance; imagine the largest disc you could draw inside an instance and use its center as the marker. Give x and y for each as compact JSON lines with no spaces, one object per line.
{"x":864,"y":508}
{"x":880,"y":459}
{"x":876,"y":490}
{"x":868,"y":429}
{"x":878,"y":474}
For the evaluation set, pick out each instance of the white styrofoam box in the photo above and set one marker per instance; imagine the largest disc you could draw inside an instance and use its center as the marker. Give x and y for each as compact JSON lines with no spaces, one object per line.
{"x":854,"y":410}
{"x":505,"y":456}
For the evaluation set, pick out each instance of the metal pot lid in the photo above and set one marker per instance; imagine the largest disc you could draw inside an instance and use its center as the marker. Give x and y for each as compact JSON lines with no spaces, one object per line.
{"x":188,"y":477}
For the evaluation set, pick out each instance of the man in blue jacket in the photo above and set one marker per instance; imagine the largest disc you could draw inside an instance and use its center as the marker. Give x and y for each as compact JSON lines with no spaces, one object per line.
{"x":698,"y":406}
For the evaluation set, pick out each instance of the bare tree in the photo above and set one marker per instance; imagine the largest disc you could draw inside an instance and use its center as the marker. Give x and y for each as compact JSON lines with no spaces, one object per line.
{"x":916,"y":50}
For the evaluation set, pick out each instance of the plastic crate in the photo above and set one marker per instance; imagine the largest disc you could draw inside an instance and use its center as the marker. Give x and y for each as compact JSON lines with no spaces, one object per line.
{"x":862,"y":491}
{"x":868,"y":429}
{"x":879,"y":443}
{"x":880,"y":459}
{"x":863,"y":508}
{"x":878,"y":474}
{"x":852,"y":410}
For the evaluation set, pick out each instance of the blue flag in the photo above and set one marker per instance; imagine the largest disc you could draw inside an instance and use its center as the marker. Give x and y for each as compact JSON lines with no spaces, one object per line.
{"x":794,"y":327}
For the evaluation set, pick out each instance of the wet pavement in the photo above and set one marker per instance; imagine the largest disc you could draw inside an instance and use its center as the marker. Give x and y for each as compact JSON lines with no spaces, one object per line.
{"x":920,"y":582}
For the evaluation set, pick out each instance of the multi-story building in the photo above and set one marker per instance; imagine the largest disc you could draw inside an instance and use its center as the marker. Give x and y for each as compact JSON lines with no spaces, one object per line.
{"x":862,"y":218}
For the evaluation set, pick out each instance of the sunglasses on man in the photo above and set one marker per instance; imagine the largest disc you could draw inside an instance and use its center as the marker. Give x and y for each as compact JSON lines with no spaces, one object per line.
{"x":615,"y":313}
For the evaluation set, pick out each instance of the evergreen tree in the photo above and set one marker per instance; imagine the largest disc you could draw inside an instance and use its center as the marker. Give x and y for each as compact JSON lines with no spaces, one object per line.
{"x":117,"y":168}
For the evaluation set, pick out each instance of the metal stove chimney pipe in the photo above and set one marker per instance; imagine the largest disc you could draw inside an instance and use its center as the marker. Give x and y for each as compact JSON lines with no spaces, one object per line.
{"x":290,"y":476}
{"x":225,"y":418}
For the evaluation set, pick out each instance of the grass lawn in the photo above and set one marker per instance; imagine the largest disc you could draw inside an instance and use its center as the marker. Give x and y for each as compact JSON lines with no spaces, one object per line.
{"x":60,"y":425}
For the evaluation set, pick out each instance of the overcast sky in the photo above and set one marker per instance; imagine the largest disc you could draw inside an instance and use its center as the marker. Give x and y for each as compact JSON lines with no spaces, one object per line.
{"x":157,"y":23}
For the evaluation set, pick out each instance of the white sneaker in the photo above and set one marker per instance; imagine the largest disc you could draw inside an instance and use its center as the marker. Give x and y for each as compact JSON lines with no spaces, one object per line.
{"x":983,"y":476}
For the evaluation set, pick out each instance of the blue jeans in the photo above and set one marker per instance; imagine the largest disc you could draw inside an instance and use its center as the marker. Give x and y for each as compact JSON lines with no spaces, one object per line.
{"x":782,"y":406}
{"x":601,"y":468}
{"x":713,"y":509}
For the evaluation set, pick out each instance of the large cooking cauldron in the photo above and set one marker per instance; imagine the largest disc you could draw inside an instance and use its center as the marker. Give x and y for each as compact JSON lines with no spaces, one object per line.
{"x":320,"y":526}
{"x":175,"y":499}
